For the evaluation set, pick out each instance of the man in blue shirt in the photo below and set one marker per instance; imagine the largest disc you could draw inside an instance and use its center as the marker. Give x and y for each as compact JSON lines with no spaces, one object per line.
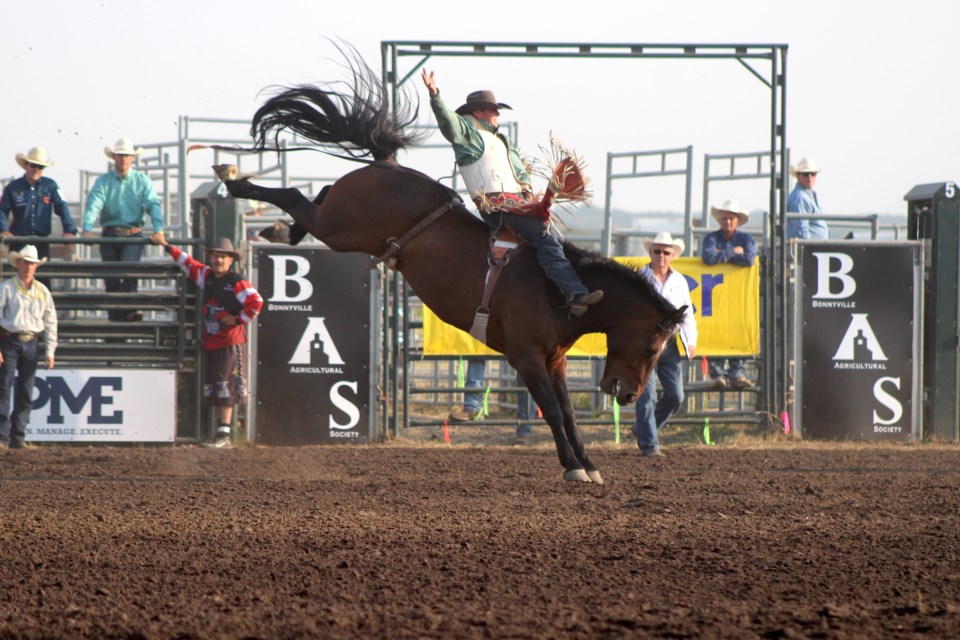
{"x":119,"y":200}
{"x":31,"y":200}
{"x":803,"y":199}
{"x":729,"y":244}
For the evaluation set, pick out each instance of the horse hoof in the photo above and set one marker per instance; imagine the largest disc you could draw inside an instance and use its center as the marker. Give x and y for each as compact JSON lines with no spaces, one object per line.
{"x":595,"y":477}
{"x":576,"y":475}
{"x":279,"y":232}
{"x":226,"y":171}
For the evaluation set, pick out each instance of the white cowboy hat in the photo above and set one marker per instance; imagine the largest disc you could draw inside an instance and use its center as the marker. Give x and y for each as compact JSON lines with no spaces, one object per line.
{"x":28,"y":253}
{"x":731,"y":206}
{"x":665,"y":238}
{"x":37,"y":155}
{"x":124,"y":147}
{"x":806,"y":165}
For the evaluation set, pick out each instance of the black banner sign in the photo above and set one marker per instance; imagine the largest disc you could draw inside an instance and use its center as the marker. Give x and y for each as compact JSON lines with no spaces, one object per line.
{"x":312,"y":346}
{"x":858,"y":340}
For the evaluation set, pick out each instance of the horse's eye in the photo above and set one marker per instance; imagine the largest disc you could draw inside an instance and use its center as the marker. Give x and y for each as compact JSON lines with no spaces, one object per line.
{"x":650,"y":352}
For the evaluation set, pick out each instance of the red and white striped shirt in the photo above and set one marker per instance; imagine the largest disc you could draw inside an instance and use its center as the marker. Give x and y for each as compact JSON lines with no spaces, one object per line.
{"x":231,"y":294}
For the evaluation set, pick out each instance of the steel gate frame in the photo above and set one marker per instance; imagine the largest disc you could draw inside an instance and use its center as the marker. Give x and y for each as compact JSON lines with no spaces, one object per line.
{"x":775,"y":307}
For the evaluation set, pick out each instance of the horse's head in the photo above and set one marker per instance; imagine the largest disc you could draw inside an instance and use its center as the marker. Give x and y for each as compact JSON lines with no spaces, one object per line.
{"x":637,"y":320}
{"x":632,"y":352}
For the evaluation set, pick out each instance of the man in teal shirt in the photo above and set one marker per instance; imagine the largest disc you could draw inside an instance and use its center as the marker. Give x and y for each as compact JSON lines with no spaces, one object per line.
{"x":119,"y":200}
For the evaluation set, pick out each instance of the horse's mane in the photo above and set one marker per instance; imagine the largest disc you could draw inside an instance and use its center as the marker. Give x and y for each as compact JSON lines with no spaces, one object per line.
{"x":357,"y":121}
{"x":586,"y":262}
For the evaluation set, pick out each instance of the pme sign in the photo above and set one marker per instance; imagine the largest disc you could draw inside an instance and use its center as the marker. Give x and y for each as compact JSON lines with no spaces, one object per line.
{"x":100,"y":405}
{"x":858,"y":340}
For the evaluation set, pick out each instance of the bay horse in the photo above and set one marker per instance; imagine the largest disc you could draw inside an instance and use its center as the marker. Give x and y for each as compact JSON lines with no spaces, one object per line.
{"x":445,"y":263}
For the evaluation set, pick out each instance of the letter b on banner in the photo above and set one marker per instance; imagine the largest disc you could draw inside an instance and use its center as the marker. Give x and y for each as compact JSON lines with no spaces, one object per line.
{"x":825,"y":277}
{"x":290,"y":284}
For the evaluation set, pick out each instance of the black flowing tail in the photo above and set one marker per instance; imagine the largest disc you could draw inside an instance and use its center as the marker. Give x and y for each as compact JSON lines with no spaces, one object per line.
{"x":358,"y":122}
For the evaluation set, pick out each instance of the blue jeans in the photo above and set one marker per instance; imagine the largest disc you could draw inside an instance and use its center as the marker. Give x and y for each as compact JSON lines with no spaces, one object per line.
{"x":549,"y":252}
{"x":121,"y":253}
{"x":526,"y":409}
{"x":475,"y":373}
{"x":20,"y":363}
{"x":734,"y":367}
{"x":472,"y":400}
{"x":652,"y":414}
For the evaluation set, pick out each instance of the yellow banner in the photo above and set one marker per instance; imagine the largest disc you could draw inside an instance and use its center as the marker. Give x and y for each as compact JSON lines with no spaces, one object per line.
{"x":727,"y":307}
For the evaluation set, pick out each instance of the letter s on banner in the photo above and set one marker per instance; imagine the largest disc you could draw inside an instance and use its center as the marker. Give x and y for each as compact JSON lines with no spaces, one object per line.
{"x":887,"y":400}
{"x":344,"y":405}
{"x":281,"y":278}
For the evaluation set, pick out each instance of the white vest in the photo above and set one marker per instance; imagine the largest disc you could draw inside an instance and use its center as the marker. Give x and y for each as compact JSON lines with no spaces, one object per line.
{"x":492,"y":173}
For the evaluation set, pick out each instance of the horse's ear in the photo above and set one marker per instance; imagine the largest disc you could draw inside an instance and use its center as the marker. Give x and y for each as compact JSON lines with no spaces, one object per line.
{"x":671,"y":324}
{"x":678,"y":317}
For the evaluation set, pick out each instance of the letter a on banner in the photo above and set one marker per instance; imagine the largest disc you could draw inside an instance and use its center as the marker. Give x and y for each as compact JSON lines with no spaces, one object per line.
{"x":859,"y":337}
{"x":316,"y":338}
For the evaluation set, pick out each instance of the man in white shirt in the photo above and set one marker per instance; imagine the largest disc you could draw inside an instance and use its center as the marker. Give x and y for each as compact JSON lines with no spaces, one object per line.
{"x":653,"y":414}
{"x":26,"y":312}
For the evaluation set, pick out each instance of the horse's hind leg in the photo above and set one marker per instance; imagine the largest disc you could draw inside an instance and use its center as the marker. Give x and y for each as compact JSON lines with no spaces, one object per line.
{"x":289,"y":200}
{"x":297,"y":231}
{"x":292,"y":233}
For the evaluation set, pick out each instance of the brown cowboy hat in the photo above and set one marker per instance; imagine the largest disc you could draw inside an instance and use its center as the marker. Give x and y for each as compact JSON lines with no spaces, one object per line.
{"x":223,"y":245}
{"x":481,"y":100}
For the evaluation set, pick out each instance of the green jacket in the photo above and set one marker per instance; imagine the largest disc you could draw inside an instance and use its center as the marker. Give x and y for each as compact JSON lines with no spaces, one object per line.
{"x":461,"y":133}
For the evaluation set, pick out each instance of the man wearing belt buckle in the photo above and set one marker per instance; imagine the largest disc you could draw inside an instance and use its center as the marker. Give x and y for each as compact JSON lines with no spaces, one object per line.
{"x":496,"y":178}
{"x":119,"y":199}
{"x":32,"y":200}
{"x":26,"y":311}
{"x":652,"y":412}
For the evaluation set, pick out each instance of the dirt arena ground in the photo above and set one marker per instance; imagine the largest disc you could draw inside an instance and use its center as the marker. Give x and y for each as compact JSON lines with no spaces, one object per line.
{"x":458,"y":541}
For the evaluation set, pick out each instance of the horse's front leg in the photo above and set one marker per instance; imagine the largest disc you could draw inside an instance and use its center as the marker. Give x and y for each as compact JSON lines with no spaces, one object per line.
{"x":560,"y":390}
{"x":538,"y":383}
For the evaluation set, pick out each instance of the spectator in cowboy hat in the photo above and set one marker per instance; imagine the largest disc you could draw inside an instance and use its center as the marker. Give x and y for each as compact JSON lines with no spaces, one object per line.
{"x":230,"y":303}
{"x":119,"y":200}
{"x":729,"y":245}
{"x":803,"y":199}
{"x":26,"y":312}
{"x":32,"y":200}
{"x":652,"y":414}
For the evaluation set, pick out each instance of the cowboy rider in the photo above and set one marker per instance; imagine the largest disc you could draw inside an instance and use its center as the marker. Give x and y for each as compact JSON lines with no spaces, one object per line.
{"x":500,"y":185}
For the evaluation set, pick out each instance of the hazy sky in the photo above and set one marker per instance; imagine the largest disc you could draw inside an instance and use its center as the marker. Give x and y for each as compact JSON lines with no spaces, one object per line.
{"x":872,"y":89}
